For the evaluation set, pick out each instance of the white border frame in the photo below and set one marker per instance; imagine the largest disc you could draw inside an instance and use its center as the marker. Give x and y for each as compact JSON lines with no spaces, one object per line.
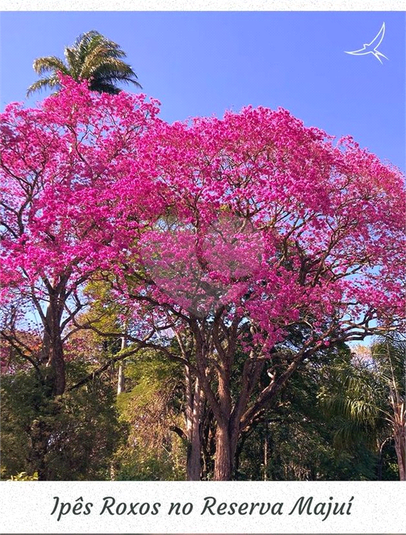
{"x":379,"y":507}
{"x":203,"y":5}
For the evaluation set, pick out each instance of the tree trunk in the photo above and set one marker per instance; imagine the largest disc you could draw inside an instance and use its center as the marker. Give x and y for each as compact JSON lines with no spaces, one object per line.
{"x":58,"y":366}
{"x":193,"y":458}
{"x":121,"y":366}
{"x":120,"y":379}
{"x":266,"y":456}
{"x":52,"y":346}
{"x":194,"y":404}
{"x":400,"y":447}
{"x":238,"y":451}
{"x":223,"y":464}
{"x":39,"y":435}
{"x":208,"y":446}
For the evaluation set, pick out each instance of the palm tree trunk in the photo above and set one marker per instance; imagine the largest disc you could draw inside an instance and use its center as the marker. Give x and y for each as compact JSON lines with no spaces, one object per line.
{"x":400,"y":447}
{"x":121,"y":366}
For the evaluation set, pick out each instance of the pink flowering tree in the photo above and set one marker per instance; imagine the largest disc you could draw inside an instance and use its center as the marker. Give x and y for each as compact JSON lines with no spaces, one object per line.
{"x":269,"y":240}
{"x":238,"y":247}
{"x":58,"y":166}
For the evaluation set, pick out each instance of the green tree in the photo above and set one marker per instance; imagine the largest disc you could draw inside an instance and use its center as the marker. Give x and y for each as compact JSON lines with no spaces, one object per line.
{"x":294,"y":439}
{"x":371,"y":398}
{"x":389,"y":358}
{"x":93,"y":57}
{"x":152,"y":406}
{"x":72,"y":437}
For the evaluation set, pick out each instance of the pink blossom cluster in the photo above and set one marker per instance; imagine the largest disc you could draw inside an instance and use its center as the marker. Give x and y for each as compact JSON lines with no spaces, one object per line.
{"x":253,"y":216}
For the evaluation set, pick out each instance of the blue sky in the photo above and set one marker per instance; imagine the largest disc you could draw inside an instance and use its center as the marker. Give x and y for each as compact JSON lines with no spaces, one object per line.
{"x":202,"y":63}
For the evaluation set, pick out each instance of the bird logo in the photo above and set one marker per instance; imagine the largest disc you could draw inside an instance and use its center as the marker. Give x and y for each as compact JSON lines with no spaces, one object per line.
{"x":372,"y":47}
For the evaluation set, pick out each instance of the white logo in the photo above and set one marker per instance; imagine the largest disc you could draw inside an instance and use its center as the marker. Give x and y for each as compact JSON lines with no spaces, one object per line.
{"x":371,"y":48}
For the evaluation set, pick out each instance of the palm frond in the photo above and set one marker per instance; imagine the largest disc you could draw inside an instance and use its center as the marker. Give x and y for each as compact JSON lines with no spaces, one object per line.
{"x":49,"y":64}
{"x":122,"y":78}
{"x":116,"y":70}
{"x":72,"y":61}
{"x":43,"y":83}
{"x":100,"y":58}
{"x":349,"y":432}
{"x":84,"y":40}
{"x":94,"y":43}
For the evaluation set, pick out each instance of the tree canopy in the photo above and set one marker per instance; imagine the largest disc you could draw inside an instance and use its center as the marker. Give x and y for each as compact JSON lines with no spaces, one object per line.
{"x":93,"y":57}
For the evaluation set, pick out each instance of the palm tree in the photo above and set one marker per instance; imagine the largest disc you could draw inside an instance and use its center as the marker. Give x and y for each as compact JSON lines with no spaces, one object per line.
{"x":93,"y":57}
{"x":372,"y":396}
{"x":389,"y":352}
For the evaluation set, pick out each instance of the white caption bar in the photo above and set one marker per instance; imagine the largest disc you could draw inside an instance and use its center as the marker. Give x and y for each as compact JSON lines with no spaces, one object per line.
{"x":181,"y":507}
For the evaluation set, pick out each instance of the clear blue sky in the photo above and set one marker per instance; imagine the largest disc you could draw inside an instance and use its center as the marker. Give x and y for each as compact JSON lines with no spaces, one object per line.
{"x":201,"y":63}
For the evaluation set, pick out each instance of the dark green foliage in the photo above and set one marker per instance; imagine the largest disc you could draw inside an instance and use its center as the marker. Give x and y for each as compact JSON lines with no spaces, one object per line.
{"x":68,"y":438}
{"x":303,"y":438}
{"x":329,"y":423}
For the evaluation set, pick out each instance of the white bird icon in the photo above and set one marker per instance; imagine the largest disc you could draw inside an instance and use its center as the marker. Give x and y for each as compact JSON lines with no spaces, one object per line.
{"x":371,"y":48}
